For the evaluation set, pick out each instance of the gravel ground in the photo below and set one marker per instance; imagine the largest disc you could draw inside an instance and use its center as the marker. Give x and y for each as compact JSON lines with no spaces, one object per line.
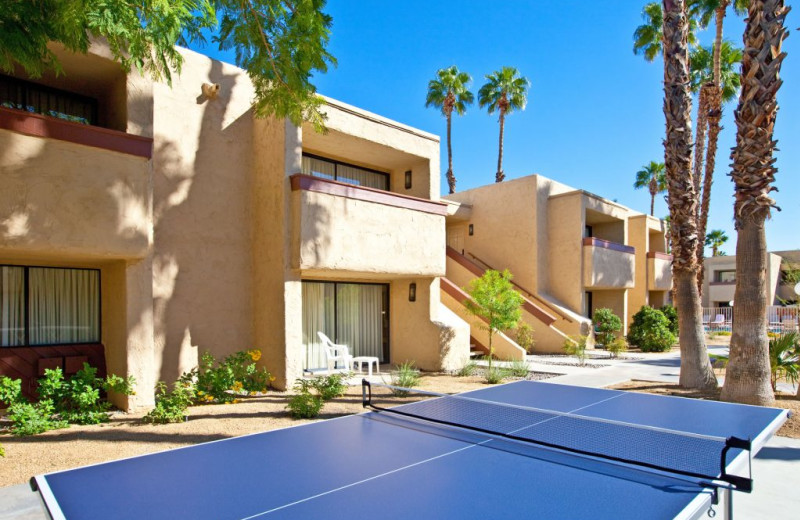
{"x":126,"y":436}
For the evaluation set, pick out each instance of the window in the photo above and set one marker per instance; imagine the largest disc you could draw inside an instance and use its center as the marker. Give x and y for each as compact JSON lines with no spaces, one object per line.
{"x":39,"y":99}
{"x":49,"y":306}
{"x":347,"y":173}
{"x":728,"y":276}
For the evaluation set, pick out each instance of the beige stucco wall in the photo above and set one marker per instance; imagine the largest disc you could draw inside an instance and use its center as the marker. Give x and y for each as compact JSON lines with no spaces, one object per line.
{"x":335,"y":233}
{"x":607,"y":269}
{"x":565,"y":253}
{"x":659,"y":274}
{"x":617,"y":301}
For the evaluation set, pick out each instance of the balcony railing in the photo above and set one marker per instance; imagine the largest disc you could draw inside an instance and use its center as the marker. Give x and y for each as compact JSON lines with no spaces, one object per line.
{"x":344,"y":228}
{"x":607,"y":265}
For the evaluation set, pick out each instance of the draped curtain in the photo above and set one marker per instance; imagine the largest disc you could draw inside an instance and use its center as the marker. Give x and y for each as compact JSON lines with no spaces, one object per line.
{"x":12,"y":306}
{"x":350,"y":314}
{"x":64,"y":306}
{"x":344,"y":173}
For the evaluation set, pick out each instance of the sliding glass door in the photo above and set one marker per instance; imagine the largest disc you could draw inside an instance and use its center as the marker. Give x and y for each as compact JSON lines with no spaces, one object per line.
{"x":354,"y":314}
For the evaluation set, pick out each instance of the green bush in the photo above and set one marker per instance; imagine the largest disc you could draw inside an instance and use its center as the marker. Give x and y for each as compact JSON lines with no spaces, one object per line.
{"x":576,"y":346}
{"x":218,"y":381}
{"x":170,"y":405}
{"x":784,"y":358}
{"x":468,"y":370}
{"x":525,"y":337}
{"x":518,"y":368}
{"x":606,"y":323}
{"x":495,"y":375}
{"x":615,"y":347}
{"x":330,"y":387}
{"x":304,"y":404}
{"x":32,"y":418}
{"x":405,"y":376}
{"x":672,"y":315}
{"x":10,"y":390}
{"x":650,"y":331}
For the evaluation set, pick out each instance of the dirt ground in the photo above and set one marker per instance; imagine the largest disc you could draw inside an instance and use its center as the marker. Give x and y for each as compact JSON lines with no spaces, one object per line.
{"x":788,"y":401}
{"x":126,"y":436}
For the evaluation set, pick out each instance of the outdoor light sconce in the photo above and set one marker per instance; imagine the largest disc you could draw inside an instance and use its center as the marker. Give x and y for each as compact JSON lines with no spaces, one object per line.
{"x":412,"y":292}
{"x":210,"y":90}
{"x":408,"y":179}
{"x":471,"y":230}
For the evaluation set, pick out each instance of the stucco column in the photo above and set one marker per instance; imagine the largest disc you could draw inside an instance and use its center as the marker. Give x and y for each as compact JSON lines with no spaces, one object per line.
{"x":140,"y":349}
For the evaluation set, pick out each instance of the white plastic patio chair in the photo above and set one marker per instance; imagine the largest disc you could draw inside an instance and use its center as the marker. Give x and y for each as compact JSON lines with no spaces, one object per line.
{"x":334,"y":353}
{"x":718,"y":322}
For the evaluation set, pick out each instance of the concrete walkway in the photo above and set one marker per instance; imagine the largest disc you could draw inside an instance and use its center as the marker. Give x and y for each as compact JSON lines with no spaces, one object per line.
{"x":776,"y":469}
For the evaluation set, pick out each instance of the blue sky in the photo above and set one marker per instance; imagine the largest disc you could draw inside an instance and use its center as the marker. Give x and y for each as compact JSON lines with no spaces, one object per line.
{"x":594,"y":113}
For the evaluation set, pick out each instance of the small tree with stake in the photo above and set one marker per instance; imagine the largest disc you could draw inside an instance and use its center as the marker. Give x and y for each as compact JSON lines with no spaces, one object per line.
{"x":496,"y":302}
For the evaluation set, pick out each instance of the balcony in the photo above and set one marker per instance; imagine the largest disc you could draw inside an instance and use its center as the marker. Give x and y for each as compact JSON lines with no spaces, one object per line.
{"x":607,"y":265}
{"x":74,"y":189}
{"x":721,"y":291}
{"x":340,"y":229}
{"x":659,"y":271}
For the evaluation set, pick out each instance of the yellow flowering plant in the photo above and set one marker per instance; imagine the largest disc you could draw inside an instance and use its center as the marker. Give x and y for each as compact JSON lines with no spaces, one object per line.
{"x":221,"y":381}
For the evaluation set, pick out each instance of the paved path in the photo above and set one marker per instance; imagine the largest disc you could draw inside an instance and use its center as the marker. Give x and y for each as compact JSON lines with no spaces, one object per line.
{"x":776,"y":470}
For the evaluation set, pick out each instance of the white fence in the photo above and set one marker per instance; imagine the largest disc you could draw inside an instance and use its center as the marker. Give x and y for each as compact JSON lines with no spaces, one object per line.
{"x":780,"y":320}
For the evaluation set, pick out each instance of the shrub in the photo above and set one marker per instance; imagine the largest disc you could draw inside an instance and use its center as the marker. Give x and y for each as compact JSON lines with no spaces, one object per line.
{"x":468,"y":370}
{"x":77,"y":400}
{"x":406,"y":376}
{"x":606,"y":323}
{"x":525,"y":337}
{"x":518,"y":369}
{"x":672,"y":315}
{"x":10,"y":390}
{"x":170,"y":406}
{"x":576,"y":346}
{"x":618,"y":345}
{"x":784,"y":358}
{"x":217,"y":381}
{"x":32,"y":418}
{"x":650,"y":331}
{"x":304,"y":404}
{"x":495,"y":375}
{"x":330,"y":387}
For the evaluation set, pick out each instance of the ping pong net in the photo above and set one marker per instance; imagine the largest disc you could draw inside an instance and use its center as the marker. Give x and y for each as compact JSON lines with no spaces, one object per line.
{"x":692,"y":455}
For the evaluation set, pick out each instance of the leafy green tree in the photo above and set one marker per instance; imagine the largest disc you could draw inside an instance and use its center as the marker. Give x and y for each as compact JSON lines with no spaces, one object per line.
{"x":672,"y":315}
{"x":715,"y":239}
{"x":496,"y":302}
{"x":280,"y":44}
{"x":651,"y":176}
{"x":504,"y":92}
{"x":606,"y":323}
{"x":650,"y":330}
{"x":449,"y":92}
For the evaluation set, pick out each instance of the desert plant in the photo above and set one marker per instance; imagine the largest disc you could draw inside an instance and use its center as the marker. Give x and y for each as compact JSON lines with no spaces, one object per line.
{"x":330,"y":386}
{"x":650,"y":331}
{"x":576,"y":346}
{"x":616,"y":346}
{"x":672,"y":315}
{"x":406,"y":376}
{"x":219,"y":381}
{"x":525,"y":337}
{"x":304,"y":404}
{"x":170,"y":405}
{"x":468,"y":370}
{"x":496,"y":301}
{"x":495,"y":375}
{"x":606,"y":323}
{"x":784,"y":358}
{"x":518,"y":368}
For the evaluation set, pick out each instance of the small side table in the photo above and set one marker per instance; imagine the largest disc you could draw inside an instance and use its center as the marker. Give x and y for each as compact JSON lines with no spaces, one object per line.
{"x":369,"y":360}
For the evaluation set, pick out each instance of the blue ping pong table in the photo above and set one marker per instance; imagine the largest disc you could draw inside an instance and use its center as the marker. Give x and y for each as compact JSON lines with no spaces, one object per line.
{"x":392,"y":466}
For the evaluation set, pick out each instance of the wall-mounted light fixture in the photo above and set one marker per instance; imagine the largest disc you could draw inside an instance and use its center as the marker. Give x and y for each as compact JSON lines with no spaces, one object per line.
{"x":211,"y":90}
{"x":412,"y":292}
{"x":471,"y":230}
{"x":408,"y":179}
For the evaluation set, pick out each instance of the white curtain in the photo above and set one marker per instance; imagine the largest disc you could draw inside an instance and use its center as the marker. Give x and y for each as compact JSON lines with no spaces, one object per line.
{"x":12,"y":306}
{"x":359,"y":318}
{"x":318,"y":315}
{"x":64,"y":305}
{"x":359,"y":177}
{"x":319,"y":168}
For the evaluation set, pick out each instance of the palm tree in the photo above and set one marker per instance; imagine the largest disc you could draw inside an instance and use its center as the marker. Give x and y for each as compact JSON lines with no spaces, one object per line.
{"x":715,"y":239}
{"x":747,"y":379}
{"x":648,"y":38}
{"x":696,"y":371}
{"x":703,"y":73}
{"x":449,"y":92}
{"x":505,"y":91}
{"x":651,"y":176}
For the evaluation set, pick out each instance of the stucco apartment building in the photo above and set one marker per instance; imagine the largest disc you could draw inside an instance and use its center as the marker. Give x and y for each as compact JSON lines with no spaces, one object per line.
{"x":142,"y":224}
{"x":570,"y":252}
{"x":719,"y":282}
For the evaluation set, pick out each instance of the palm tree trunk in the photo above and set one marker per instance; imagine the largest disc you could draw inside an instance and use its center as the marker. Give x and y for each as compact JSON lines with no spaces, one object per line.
{"x":499,"y":176}
{"x":720,"y":17}
{"x":696,"y":371}
{"x":451,"y":178}
{"x":714,"y":98}
{"x":747,"y":377}
{"x":700,"y":142}
{"x":653,"y":192}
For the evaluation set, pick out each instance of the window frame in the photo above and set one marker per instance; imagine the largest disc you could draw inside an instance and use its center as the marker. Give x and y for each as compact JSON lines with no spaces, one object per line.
{"x":26,"y":298}
{"x":27,"y":87}
{"x":337,"y":163}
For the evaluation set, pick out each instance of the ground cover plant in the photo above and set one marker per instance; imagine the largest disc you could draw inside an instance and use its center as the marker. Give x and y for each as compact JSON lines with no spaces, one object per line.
{"x":525,"y":337}
{"x":650,"y":331}
{"x":576,"y":346}
{"x":312,"y":394}
{"x":468,"y":369}
{"x":220,"y":381}
{"x":171,"y":405}
{"x":406,"y":376}
{"x":617,"y":346}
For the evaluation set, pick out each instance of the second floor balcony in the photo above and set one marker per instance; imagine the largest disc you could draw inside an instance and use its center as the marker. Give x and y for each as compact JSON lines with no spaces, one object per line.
{"x":659,"y":271}
{"x":607,"y":265}
{"x":341,"y":229}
